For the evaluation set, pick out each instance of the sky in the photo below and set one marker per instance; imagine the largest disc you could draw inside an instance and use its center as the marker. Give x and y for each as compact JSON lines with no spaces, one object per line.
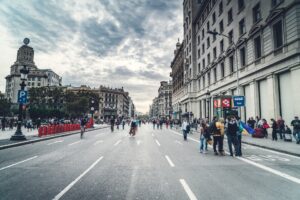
{"x":95,"y":42}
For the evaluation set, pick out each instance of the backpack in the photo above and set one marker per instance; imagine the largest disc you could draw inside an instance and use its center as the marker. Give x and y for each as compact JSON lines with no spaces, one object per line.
{"x":213,"y":127}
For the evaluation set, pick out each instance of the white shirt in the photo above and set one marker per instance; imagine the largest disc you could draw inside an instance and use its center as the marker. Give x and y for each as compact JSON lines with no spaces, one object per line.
{"x":184,"y":125}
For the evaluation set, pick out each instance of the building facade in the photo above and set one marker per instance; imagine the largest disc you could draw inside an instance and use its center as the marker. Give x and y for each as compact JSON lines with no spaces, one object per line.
{"x":259,"y":48}
{"x":177,"y":75}
{"x":36,"y":77}
{"x":162,"y":104}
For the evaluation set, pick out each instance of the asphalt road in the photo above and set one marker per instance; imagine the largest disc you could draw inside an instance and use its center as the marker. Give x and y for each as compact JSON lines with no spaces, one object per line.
{"x":156,"y":164}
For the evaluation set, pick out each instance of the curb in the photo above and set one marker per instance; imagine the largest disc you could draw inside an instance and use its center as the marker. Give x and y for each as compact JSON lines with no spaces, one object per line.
{"x":273,"y":149}
{"x":46,"y":138}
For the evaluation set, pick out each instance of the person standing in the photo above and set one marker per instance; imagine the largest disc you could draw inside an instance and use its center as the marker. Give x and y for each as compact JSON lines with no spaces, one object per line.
{"x":3,"y":123}
{"x":265,"y":127}
{"x":153,"y":123}
{"x":123,"y":124}
{"x":112,"y":123}
{"x":274,"y":130}
{"x":203,"y":129}
{"x":161,"y":123}
{"x":251,"y":122}
{"x":232,"y":129}
{"x":239,"y":138}
{"x":216,"y":133}
{"x":296,"y":126}
{"x":184,"y":128}
{"x":280,"y":127}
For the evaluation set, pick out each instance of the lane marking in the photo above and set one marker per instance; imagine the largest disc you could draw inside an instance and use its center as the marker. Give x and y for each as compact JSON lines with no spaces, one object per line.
{"x":74,"y":143}
{"x":138,"y":142}
{"x":273,"y":171}
{"x":118,"y":142}
{"x":188,"y":189}
{"x":176,"y":141}
{"x":18,"y":163}
{"x":59,"y":141}
{"x":152,"y":135}
{"x":97,"y":142}
{"x":169,"y":161}
{"x":157,"y":142}
{"x":64,"y":191}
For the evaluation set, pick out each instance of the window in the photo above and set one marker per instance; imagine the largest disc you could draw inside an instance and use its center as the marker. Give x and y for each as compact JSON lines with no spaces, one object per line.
{"x":203,"y":80}
{"x":207,"y":26}
{"x":228,"y":1}
{"x":215,"y":74}
{"x":221,"y":26}
{"x":230,"y":35}
{"x":277,"y":35}
{"x":256,"y":13}
{"x":229,"y":17}
{"x":202,"y":33}
{"x":203,"y":48}
{"x":276,"y":2}
{"x":242,"y":27}
{"x":199,"y":68}
{"x":257,"y":47}
{"x":241,"y":4}
{"x":222,"y":70}
{"x":199,"y":86}
{"x":243,"y":56}
{"x":198,"y":53}
{"x":222,"y":46}
{"x":214,"y":35}
{"x":215,"y":52}
{"x":198,"y":39}
{"x":203,"y":63}
{"x":231,"y":64}
{"x":208,"y":58}
{"x":208,"y":42}
{"x":220,"y":8}
{"x":39,"y":78}
{"x":39,"y":84}
{"x":214,"y":18}
{"x":208,"y":78}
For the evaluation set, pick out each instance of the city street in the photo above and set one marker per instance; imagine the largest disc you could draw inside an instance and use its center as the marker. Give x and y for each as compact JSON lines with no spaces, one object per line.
{"x":156,"y":164}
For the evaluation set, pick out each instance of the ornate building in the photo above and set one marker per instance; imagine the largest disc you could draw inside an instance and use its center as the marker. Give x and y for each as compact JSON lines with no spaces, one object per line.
{"x":36,"y":77}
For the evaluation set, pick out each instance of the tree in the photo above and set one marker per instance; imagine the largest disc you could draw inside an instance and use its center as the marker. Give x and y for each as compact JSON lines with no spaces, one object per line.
{"x":78,"y":107}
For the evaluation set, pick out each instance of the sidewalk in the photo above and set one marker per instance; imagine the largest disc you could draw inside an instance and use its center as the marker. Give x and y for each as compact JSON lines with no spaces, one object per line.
{"x":32,"y":136}
{"x":280,"y":146}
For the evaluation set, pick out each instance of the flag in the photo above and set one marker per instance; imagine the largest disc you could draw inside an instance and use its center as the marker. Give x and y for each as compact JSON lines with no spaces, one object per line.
{"x":246,"y":129}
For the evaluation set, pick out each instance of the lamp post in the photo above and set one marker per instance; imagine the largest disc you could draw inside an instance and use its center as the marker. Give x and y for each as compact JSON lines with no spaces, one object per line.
{"x":236,"y":57}
{"x":92,"y":111}
{"x":207,"y":95}
{"x":22,"y":95}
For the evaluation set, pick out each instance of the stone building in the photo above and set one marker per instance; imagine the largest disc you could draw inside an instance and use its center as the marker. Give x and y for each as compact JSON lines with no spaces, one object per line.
{"x":162,"y":104}
{"x":36,"y":77}
{"x":260,"y":46}
{"x":177,"y":80}
{"x":153,"y":113}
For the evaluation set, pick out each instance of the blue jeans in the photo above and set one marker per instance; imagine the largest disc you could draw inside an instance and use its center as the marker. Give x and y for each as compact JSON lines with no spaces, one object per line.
{"x":232,"y":140}
{"x":185,"y":134}
{"x":297,"y":136}
{"x":203,"y":143}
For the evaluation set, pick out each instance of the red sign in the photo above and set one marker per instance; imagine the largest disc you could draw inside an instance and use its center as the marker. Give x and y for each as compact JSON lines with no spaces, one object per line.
{"x":217,"y":103}
{"x":226,"y":103}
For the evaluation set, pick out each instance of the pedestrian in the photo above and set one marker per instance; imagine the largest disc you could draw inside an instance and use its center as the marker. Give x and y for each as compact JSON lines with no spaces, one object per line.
{"x":280,"y":127}
{"x":203,"y":129}
{"x":11,"y":124}
{"x":265,"y":127}
{"x":157,"y":123}
{"x":161,"y":123}
{"x":123,"y":124}
{"x":232,"y":129}
{"x":38,"y":123}
{"x":216,"y":133}
{"x":220,"y":126}
{"x":239,"y":138}
{"x":184,"y":128}
{"x":274,"y":130}
{"x":296,"y":126}
{"x":3,"y":123}
{"x":251,"y":122}
{"x":167,"y":124}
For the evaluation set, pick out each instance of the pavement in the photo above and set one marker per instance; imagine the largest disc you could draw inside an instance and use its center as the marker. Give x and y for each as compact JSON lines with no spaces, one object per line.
{"x":155,"y":164}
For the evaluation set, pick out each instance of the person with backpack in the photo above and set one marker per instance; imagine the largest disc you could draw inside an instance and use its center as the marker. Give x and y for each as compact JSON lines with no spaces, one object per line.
{"x":296,"y":126}
{"x":203,"y":129}
{"x":232,"y":129}
{"x":221,"y":128}
{"x":216,"y":133}
{"x":280,"y":127}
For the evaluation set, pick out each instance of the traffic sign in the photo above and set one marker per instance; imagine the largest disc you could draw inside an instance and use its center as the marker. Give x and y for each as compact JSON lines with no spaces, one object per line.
{"x":22,"y":96}
{"x":238,"y":101}
{"x":226,"y":103}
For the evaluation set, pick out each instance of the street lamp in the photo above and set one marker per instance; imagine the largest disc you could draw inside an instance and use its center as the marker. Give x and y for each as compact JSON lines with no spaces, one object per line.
{"x":207,"y":95}
{"x":22,"y":93}
{"x":92,"y":111}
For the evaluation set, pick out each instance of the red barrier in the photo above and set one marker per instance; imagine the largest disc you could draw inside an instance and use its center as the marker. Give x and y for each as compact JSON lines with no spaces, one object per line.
{"x":53,"y":129}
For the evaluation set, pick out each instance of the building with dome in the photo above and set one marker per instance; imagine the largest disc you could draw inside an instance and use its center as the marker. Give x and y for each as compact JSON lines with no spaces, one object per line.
{"x":36,"y":77}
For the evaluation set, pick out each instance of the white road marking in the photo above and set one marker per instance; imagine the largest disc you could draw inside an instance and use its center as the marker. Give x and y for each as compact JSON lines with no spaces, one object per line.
{"x":18,"y":163}
{"x":157,"y":142}
{"x":276,"y":172}
{"x":152,"y":135}
{"x":57,"y":197}
{"x":118,"y":142}
{"x":188,"y":189}
{"x":74,"y":143}
{"x":170,"y":161}
{"x":138,"y":142}
{"x":97,"y":142}
{"x":58,"y":141}
{"x":273,"y":171}
{"x":176,"y":141}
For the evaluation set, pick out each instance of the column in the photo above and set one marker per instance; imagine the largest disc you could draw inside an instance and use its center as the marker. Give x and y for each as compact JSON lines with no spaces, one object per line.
{"x":295,"y":94}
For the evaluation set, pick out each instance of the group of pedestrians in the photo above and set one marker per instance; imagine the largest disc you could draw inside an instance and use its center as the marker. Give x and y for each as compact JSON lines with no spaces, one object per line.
{"x":213,"y":133}
{"x":158,"y":123}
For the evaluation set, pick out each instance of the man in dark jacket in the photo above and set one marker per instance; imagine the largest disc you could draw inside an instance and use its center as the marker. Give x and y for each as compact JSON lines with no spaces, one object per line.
{"x":232,"y":129}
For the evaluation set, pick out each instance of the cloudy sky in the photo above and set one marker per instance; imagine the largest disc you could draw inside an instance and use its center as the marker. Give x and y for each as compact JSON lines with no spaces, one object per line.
{"x":95,"y":42}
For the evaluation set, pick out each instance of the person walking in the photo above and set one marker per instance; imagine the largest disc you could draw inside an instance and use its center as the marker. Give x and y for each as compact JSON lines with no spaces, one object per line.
{"x":280,"y":127}
{"x":220,"y":126}
{"x":203,"y":129}
{"x":3,"y":123}
{"x":112,"y":123}
{"x":265,"y":127}
{"x":274,"y":130}
{"x":216,"y":133}
{"x":161,"y":123}
{"x":184,"y":129}
{"x":123,"y":124}
{"x":232,"y":129}
{"x":296,"y":126}
{"x":153,"y":123}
